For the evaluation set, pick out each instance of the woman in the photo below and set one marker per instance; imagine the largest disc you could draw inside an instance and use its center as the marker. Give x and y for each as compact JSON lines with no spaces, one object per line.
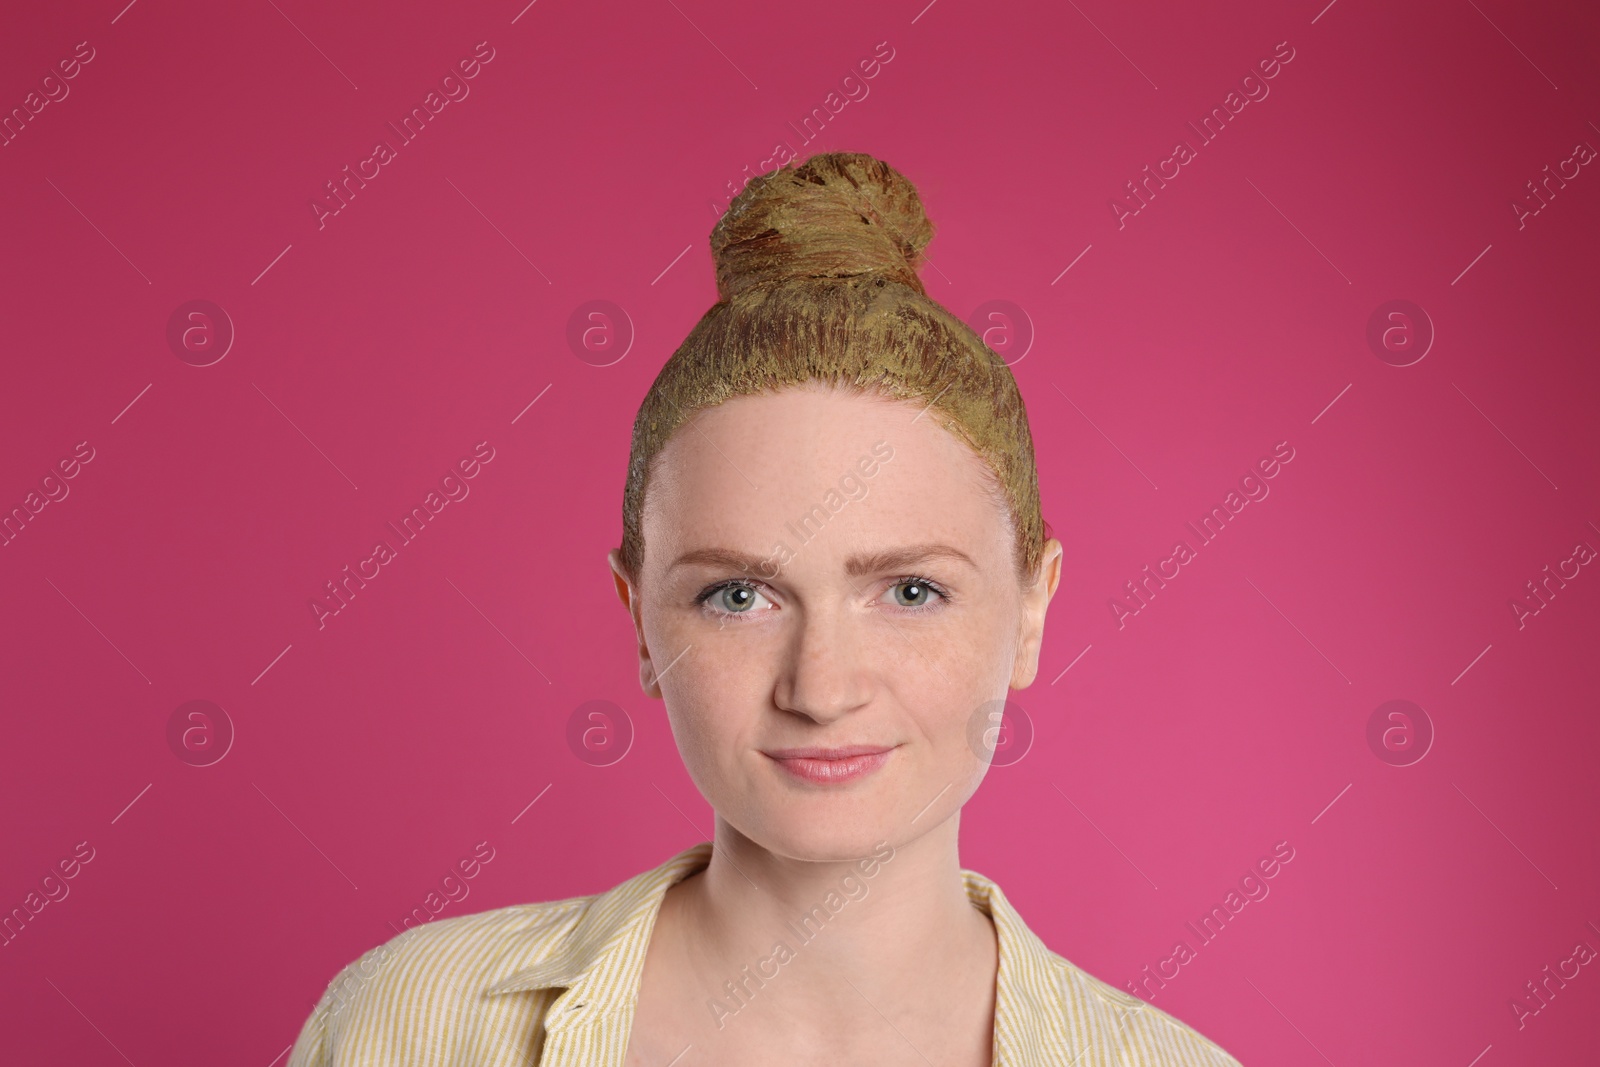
{"x":837,"y":572}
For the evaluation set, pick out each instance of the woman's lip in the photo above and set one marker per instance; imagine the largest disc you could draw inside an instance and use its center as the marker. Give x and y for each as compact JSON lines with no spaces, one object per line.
{"x":843,"y":752}
{"x":831,"y":771}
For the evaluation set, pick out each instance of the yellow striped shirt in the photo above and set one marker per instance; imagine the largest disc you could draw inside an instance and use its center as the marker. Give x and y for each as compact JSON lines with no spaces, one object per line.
{"x":554,"y":985}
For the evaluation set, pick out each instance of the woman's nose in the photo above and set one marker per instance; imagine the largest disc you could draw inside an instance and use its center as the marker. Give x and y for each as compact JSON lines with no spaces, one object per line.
{"x":826,"y":670}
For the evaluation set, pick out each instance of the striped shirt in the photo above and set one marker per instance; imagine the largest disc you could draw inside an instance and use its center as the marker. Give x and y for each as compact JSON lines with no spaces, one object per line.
{"x":555,"y":984}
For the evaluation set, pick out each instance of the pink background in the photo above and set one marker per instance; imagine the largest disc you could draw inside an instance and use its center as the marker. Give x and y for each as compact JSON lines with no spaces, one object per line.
{"x":589,"y":162}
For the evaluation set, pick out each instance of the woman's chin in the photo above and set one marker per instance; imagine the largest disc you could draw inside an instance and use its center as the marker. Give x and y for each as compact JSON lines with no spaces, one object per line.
{"x":819,"y":836}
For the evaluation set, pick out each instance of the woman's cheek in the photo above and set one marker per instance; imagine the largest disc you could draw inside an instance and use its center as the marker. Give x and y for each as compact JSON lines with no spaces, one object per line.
{"x":698,"y":752}
{"x":703,"y":706}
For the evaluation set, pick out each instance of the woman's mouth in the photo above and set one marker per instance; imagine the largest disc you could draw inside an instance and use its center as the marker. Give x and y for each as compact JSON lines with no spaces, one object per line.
{"x":825,"y":766}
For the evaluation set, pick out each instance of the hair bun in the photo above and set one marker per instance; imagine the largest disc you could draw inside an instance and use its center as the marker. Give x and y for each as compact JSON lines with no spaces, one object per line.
{"x":837,"y":215}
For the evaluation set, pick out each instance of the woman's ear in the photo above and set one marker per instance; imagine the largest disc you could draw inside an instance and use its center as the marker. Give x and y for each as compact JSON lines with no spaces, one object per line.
{"x":1035,"y":600}
{"x":629,"y":596}
{"x":620,"y":578}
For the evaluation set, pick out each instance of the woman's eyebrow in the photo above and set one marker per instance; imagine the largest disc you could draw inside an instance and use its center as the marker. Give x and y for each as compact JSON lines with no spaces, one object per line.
{"x":856,"y":566}
{"x":718,"y":557}
{"x":895,"y":559}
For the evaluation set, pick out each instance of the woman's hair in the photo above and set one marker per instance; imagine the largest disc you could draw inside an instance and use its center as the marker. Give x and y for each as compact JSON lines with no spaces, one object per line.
{"x":817,"y":281}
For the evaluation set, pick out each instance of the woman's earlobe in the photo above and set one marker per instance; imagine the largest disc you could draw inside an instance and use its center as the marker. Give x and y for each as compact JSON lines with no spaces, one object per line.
{"x":647,"y":680}
{"x":1025,"y":667}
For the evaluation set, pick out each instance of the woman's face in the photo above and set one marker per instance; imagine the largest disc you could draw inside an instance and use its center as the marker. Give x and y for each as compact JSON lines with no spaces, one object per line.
{"x":828,"y":571}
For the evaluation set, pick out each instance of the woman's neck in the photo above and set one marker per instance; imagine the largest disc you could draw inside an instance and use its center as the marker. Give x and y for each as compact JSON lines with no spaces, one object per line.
{"x":832,"y":947}
{"x":749,"y":894}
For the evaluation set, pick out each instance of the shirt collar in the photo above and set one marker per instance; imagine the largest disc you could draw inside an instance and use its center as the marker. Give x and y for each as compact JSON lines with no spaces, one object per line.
{"x":602,"y":945}
{"x":600,"y":960}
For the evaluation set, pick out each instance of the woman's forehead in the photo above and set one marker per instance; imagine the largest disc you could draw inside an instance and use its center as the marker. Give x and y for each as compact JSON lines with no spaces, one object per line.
{"x":781,"y":466}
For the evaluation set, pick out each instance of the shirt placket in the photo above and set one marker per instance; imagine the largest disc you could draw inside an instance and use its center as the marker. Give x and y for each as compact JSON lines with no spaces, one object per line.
{"x":580,"y":1034}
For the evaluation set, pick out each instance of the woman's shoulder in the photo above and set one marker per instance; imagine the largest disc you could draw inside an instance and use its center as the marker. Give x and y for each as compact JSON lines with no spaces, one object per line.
{"x":1059,"y":1005}
{"x":1162,"y":1040}
{"x":446,"y":960}
{"x":484,"y":940}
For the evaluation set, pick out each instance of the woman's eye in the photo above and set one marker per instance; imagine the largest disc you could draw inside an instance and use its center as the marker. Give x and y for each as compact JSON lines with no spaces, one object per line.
{"x":735,"y":599}
{"x":913,"y":592}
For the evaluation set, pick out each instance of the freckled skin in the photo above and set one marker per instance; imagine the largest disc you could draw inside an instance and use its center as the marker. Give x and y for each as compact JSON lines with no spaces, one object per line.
{"x":817,"y":656}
